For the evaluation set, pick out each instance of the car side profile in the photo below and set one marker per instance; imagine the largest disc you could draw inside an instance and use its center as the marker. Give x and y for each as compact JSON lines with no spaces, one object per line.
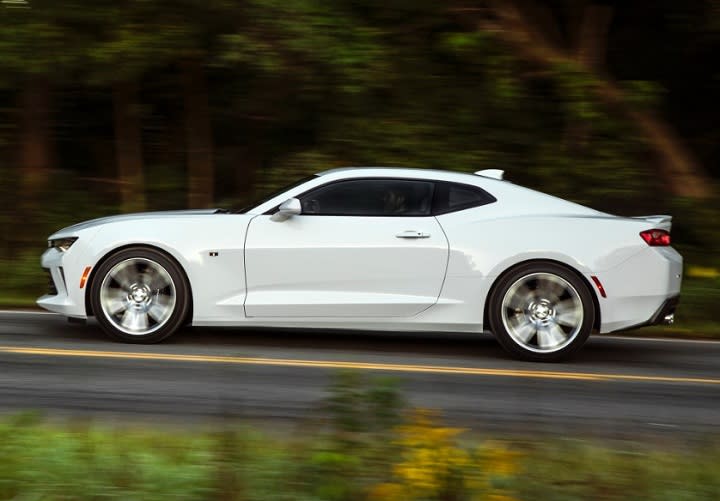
{"x":385,"y":249}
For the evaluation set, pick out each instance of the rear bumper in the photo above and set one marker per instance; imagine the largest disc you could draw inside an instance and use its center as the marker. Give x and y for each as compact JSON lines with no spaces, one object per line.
{"x":641,"y":291}
{"x":666,"y":313}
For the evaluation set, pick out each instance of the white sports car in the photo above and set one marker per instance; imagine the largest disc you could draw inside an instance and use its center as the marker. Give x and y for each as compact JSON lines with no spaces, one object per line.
{"x":374,"y":249}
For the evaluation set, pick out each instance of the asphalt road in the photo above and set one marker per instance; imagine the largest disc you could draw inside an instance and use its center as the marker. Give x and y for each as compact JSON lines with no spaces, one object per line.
{"x":617,"y":387}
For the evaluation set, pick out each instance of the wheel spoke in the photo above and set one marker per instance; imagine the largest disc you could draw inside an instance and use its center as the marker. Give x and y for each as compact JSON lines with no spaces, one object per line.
{"x":525,"y":331}
{"x":134,"y":320}
{"x":159,"y":311}
{"x":155,"y":279}
{"x":552,"y":289}
{"x":522,"y":296}
{"x":550,"y":336}
{"x":115,"y":303}
{"x":160,"y":280}
{"x":568,"y":313}
{"x":123,"y":276}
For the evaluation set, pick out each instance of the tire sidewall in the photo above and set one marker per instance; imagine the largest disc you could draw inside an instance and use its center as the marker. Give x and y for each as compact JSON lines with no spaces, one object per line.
{"x":179,"y":314}
{"x":495,"y":311}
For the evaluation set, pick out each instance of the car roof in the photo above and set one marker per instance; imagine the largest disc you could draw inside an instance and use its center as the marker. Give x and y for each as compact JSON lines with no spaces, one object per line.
{"x":408,"y":172}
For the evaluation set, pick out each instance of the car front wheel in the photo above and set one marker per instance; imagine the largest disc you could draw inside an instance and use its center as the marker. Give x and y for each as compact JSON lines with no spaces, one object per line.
{"x":139,"y":295}
{"x":541,"y":312}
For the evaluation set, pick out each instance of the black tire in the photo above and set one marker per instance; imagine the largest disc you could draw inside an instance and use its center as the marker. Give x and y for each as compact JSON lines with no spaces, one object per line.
{"x":139,"y":295}
{"x":547,"y":297}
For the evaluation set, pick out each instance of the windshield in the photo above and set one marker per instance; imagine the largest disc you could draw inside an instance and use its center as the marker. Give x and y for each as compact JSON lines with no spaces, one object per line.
{"x":274,"y":194}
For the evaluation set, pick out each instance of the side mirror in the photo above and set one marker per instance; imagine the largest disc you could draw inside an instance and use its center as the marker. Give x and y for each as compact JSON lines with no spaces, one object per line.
{"x":290,"y":207}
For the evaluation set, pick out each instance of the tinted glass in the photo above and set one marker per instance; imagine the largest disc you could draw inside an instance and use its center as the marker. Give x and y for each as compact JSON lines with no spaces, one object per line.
{"x":370,"y":197}
{"x":451,"y":197}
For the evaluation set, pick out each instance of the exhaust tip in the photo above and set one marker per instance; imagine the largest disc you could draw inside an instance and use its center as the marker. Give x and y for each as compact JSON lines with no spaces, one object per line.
{"x":669,"y":319}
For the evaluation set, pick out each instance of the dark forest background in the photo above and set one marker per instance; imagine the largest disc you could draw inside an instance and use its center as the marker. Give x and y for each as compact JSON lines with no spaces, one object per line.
{"x":130,"y":105}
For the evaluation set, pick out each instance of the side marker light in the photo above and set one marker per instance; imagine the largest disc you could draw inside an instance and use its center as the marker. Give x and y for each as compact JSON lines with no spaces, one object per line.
{"x":599,"y":286}
{"x":84,"y":277}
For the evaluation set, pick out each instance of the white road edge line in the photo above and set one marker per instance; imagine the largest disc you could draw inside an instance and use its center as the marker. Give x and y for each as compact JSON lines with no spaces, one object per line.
{"x":657,"y":339}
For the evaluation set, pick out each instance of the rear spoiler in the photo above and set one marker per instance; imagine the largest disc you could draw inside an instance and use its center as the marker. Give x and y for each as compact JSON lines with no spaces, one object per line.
{"x":491,"y":173}
{"x":662,"y":222}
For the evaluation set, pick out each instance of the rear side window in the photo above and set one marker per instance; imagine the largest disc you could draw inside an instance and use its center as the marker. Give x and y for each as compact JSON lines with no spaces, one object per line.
{"x":453,"y":197}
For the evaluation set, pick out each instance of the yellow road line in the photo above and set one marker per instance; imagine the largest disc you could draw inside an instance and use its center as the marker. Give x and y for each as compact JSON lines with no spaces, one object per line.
{"x":326,"y":364}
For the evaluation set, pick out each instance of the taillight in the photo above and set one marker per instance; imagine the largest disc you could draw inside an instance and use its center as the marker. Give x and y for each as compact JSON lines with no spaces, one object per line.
{"x":656,"y":238}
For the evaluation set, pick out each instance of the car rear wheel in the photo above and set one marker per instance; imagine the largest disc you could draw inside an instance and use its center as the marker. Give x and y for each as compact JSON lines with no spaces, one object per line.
{"x":139,"y":295}
{"x":541,"y":312}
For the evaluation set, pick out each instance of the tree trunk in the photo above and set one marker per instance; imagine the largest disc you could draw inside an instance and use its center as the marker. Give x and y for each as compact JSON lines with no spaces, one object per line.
{"x":590,"y":49}
{"x":198,"y":136}
{"x":35,"y":162}
{"x":592,"y":39}
{"x":249,"y":160}
{"x":35,"y":140}
{"x":678,"y":168}
{"x":128,"y":146}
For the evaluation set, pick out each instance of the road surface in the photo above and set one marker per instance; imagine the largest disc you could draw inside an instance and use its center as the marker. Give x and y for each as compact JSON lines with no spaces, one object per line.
{"x":617,"y":387}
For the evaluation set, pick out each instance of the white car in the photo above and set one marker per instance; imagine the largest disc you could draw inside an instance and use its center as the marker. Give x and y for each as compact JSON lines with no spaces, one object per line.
{"x":374,"y":249}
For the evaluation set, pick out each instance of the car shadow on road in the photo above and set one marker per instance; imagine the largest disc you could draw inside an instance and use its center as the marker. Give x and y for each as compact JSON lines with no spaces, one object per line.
{"x":339,"y":340}
{"x":599,"y":350}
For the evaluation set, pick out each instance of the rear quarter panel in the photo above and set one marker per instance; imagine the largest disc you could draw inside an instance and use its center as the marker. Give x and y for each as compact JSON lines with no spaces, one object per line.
{"x":487,"y":241}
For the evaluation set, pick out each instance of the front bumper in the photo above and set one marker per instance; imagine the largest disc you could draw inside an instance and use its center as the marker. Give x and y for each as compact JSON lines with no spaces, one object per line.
{"x":64,"y":294}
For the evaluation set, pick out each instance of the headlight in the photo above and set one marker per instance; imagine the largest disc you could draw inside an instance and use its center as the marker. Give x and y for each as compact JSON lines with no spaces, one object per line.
{"x":62,"y":244}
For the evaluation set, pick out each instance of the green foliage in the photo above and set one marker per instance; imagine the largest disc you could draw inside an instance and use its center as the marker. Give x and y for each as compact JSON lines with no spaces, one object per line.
{"x":571,"y":470}
{"x":81,"y":460}
{"x":643,"y":93}
{"x":33,"y":42}
{"x":359,"y":406}
{"x":42,"y":462}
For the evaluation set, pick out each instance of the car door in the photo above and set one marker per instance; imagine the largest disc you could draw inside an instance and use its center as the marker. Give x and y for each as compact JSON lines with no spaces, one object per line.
{"x":359,"y":248}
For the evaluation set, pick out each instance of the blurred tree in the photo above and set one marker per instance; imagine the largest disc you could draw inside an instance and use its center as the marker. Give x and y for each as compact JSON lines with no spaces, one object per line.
{"x":128,"y":145}
{"x":206,"y":100}
{"x":31,"y":55}
{"x":202,"y":23}
{"x":523,"y":26}
{"x":393,"y":81}
{"x":136,"y":36}
{"x":122,"y":43}
{"x":199,"y":141}
{"x":300,"y":64}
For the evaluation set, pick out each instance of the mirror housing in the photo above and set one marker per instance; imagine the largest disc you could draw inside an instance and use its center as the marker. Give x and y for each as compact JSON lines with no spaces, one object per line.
{"x":290,"y":207}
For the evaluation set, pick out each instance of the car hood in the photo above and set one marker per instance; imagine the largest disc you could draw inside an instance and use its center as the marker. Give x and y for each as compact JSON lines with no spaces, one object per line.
{"x":93,"y":223}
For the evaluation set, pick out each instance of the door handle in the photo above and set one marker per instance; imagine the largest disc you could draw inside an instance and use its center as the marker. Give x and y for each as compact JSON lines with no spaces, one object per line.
{"x":413,"y":234}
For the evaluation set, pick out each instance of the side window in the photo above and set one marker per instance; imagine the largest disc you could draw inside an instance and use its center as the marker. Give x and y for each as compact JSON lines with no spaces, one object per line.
{"x":452,"y":197}
{"x":370,"y":197}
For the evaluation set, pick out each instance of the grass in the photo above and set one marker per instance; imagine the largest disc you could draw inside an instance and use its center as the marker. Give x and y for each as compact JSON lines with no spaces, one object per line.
{"x":418,"y":459}
{"x":18,"y":302}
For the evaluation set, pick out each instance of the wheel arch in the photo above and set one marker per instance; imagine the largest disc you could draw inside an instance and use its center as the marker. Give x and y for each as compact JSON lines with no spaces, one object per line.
{"x":88,"y":303}
{"x":577,"y":273}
